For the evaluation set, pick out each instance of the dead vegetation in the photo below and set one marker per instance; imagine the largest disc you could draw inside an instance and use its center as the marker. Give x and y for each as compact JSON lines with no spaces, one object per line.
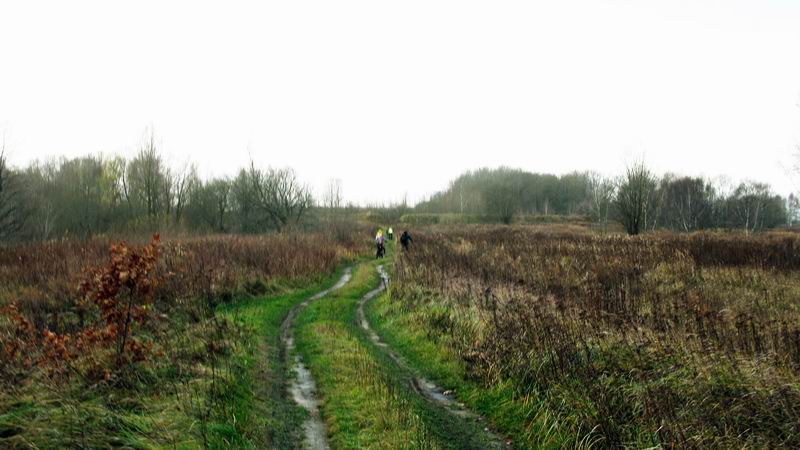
{"x":118,"y":343}
{"x":678,"y":340}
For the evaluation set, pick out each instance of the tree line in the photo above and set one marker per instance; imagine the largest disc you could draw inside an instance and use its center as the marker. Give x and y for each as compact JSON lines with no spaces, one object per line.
{"x":96,"y":194}
{"x":639,"y":199}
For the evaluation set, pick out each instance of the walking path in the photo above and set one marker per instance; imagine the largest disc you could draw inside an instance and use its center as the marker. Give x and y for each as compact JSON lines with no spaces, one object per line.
{"x":422,"y":386}
{"x":302,"y":387}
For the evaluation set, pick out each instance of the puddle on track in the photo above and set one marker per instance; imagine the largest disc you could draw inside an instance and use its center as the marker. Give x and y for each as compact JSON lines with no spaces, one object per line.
{"x":302,"y":387}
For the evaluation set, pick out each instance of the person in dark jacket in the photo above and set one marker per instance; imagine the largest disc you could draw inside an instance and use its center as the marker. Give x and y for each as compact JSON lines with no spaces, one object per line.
{"x":405,"y":239}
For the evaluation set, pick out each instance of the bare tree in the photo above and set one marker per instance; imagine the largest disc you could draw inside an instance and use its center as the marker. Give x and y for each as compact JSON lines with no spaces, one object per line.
{"x":332,"y":197}
{"x":635,"y":197}
{"x":687,"y":203}
{"x":242,"y":199}
{"x":503,"y":196}
{"x":792,"y":208}
{"x":148,"y":183}
{"x":182,"y":183}
{"x":601,"y":196}
{"x":49,"y":209}
{"x":12,"y":214}
{"x":748,"y":204}
{"x":209,"y":204}
{"x":280,"y":196}
{"x":220,"y":190}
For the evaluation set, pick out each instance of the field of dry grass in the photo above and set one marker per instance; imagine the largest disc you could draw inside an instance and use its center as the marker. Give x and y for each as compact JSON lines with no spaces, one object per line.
{"x":107,"y":343}
{"x":560,"y":336}
{"x":665,"y":339}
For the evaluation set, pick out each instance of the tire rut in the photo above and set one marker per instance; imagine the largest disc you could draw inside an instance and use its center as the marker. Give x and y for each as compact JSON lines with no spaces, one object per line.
{"x":302,"y":387}
{"x":425,"y":388}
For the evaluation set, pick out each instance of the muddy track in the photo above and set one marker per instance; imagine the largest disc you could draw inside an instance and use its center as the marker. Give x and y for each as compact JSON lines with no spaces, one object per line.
{"x":302,"y":387}
{"x":428,"y":390}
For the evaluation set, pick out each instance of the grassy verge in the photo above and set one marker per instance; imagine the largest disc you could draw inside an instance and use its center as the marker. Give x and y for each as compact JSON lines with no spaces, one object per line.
{"x":363,"y":406}
{"x":524,"y":418}
{"x":167,"y":403}
{"x":716,"y":400}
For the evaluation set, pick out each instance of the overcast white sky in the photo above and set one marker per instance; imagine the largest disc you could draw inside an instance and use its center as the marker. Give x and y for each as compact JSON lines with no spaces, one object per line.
{"x":400,"y":97}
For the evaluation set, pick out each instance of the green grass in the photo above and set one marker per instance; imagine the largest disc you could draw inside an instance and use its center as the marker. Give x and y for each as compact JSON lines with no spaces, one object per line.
{"x":672,"y":342}
{"x":367,"y":401}
{"x":266,"y":417}
{"x":721,"y":403}
{"x":362,"y":406}
{"x":157,"y":409}
{"x":523,"y":417}
{"x":186,"y":400}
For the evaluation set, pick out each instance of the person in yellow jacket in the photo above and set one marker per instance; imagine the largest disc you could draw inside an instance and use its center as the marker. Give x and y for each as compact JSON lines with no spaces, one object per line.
{"x":380,"y":249}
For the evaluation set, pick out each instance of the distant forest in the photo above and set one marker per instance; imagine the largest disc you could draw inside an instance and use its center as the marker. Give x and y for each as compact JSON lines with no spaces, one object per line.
{"x":95,"y":194}
{"x":638,"y":199}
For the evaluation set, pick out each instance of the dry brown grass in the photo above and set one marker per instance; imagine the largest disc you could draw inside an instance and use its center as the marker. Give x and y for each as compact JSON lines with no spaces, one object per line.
{"x":103,"y":348}
{"x":688,"y":340}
